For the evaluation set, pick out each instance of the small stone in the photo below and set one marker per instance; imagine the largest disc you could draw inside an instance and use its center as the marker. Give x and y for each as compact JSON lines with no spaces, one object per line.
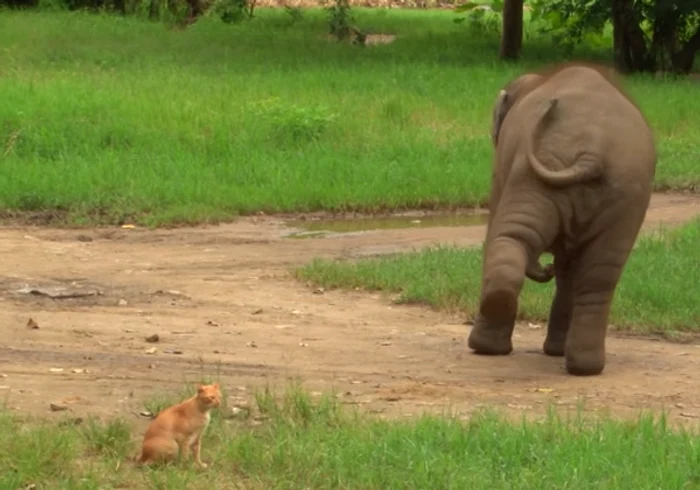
{"x":78,"y":371}
{"x":534,"y":326}
{"x":212,"y":323}
{"x":680,"y":405}
{"x":303,"y":344}
{"x":153,"y":338}
{"x":58,"y":407}
{"x":146,"y":413}
{"x":151,"y":366}
{"x":296,"y":312}
{"x":55,"y":370}
{"x":31,"y":324}
{"x":172,"y":351}
{"x":122,"y":302}
{"x":257,"y":312}
{"x":152,"y":350}
{"x":251,"y":344}
{"x":319,"y":291}
{"x":386,"y":343}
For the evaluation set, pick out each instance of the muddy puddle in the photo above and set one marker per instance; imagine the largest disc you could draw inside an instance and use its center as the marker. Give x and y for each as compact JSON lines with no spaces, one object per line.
{"x":314,"y":228}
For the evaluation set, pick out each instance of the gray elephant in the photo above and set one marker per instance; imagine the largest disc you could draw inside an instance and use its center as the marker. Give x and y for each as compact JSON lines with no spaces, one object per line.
{"x":573,"y":173}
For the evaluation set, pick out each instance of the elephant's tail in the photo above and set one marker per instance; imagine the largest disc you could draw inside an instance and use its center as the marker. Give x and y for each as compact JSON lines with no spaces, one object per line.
{"x":581,"y":171}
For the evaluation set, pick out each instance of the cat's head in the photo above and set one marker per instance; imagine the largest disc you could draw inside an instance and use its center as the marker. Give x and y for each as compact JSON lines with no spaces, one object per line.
{"x":209,"y":396}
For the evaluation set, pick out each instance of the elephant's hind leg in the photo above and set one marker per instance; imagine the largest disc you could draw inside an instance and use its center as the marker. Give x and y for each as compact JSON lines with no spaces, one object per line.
{"x":560,"y":313}
{"x":596,"y":275}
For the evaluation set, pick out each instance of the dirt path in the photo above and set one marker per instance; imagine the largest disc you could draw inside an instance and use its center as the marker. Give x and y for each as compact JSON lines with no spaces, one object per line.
{"x":210,"y":292}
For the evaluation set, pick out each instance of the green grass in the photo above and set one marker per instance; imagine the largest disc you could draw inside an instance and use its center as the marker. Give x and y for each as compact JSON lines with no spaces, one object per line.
{"x":314,"y":443}
{"x":111,"y":119}
{"x":655,"y":294}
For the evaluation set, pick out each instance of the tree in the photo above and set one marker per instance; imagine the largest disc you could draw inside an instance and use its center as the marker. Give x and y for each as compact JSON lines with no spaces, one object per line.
{"x":648,"y":35}
{"x":512,"y":29}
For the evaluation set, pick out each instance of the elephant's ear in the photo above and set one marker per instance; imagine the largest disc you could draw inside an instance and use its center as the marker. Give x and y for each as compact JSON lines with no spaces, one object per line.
{"x":500,"y":110}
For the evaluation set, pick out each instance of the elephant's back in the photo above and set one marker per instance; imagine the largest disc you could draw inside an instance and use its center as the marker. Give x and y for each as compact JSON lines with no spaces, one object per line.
{"x":591,"y":114}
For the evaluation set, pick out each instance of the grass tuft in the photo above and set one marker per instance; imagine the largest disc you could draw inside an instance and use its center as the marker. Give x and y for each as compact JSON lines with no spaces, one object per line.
{"x":653,"y":295}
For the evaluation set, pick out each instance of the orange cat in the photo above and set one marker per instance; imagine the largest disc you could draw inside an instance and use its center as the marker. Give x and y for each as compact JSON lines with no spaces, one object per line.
{"x":180,"y":428}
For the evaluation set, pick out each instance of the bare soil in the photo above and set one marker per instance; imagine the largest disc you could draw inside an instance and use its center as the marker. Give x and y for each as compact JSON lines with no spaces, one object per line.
{"x":222,"y":301}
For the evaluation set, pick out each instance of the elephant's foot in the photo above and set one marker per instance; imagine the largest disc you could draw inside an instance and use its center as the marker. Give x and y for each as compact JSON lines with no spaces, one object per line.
{"x":555,"y":341}
{"x":554,"y":347}
{"x":585,"y":364}
{"x":488,"y":342}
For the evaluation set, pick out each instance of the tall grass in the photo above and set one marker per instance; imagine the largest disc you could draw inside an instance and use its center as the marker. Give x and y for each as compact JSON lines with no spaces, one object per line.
{"x":106,"y":119}
{"x":655,"y":294}
{"x":302,"y":442}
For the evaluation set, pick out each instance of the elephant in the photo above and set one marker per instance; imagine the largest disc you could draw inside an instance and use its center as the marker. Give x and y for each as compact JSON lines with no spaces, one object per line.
{"x":574,"y":164}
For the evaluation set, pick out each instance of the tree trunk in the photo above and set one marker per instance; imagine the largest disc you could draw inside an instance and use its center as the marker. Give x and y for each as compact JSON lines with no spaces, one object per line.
{"x":630,"y":50}
{"x":512,"y":29}
{"x":682,"y":61}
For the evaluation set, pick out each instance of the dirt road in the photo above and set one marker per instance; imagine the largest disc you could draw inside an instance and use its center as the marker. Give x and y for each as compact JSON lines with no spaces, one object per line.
{"x":222,"y":300}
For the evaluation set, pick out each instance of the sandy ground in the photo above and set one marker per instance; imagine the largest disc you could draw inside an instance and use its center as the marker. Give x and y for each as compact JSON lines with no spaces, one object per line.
{"x":222,"y":300}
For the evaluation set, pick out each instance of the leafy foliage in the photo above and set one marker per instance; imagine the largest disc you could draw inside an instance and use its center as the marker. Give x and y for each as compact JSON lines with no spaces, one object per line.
{"x":669,"y":30}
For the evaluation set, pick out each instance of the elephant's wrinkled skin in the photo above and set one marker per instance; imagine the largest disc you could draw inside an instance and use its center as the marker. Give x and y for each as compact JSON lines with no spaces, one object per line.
{"x":574,"y":165}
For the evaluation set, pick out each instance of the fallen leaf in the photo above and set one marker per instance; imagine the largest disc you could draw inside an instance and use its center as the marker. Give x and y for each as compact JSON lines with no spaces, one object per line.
{"x":58,"y":407}
{"x":128,"y":227}
{"x":172,"y":351}
{"x":152,"y":350}
{"x":212,"y":323}
{"x":251,"y":344}
{"x":32,"y":324}
{"x":78,"y":371}
{"x":319,"y":291}
{"x":257,"y":312}
{"x":303,"y":344}
{"x":56,"y":370}
{"x":544,"y":390}
{"x":385,"y":343}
